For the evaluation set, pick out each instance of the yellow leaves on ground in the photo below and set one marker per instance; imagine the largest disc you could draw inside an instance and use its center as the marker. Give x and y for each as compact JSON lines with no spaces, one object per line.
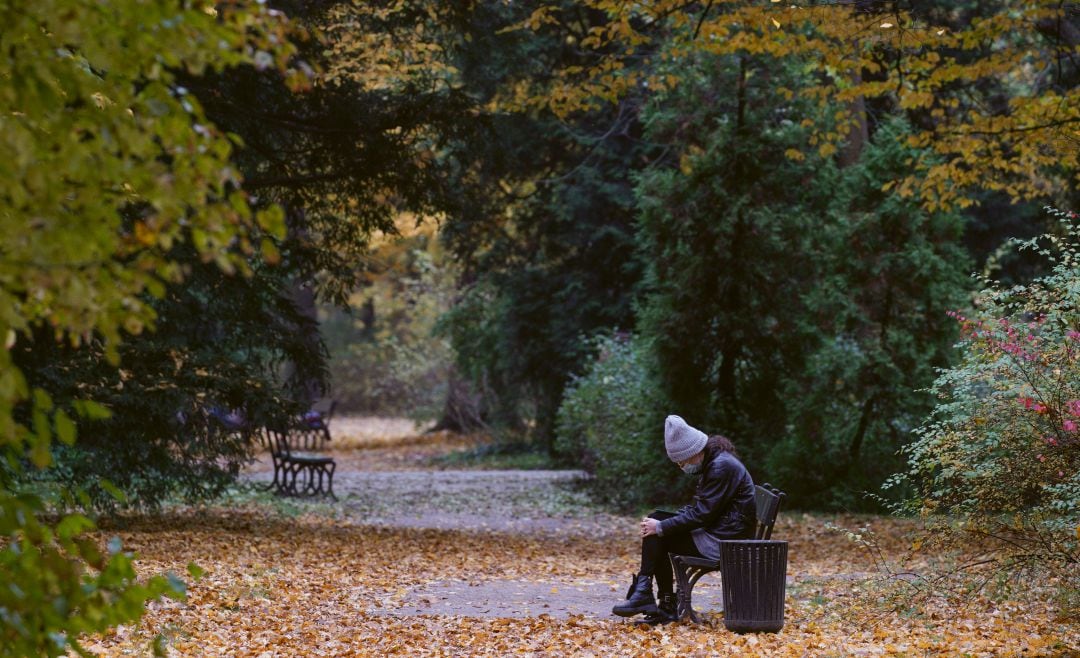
{"x":318,"y":586}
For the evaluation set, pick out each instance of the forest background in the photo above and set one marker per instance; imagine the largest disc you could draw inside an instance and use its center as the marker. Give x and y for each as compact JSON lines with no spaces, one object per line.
{"x":554,"y":221}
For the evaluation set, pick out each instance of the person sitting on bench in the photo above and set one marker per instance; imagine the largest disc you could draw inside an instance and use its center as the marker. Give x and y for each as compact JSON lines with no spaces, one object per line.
{"x":723,"y":508}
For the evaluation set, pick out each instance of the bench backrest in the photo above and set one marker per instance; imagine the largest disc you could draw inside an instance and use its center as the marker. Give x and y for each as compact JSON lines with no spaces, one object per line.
{"x":329,"y":415}
{"x":767,"y":499}
{"x":277,"y":441}
{"x":305,"y":437}
{"x":296,"y":438}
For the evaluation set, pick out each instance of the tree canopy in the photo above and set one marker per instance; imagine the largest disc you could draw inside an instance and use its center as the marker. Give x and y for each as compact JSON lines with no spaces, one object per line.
{"x":108,"y":162}
{"x":108,"y":165}
{"x":991,"y":87}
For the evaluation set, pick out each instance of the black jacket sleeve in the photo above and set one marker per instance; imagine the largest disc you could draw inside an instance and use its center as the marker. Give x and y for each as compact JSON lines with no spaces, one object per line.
{"x":715,"y":493}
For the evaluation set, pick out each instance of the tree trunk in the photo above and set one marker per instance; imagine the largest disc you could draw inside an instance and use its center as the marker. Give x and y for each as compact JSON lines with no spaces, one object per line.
{"x":463,"y":411}
{"x":860,"y":132}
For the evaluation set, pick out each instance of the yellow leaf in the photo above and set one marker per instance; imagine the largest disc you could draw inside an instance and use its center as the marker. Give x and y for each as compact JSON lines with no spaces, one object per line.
{"x":270,"y":251}
{"x":685,"y":165}
{"x":776,"y":23}
{"x":886,"y":25}
{"x":143,"y":234}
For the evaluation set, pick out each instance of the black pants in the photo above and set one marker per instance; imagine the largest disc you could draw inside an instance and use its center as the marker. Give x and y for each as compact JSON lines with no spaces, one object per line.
{"x":655,"y":550}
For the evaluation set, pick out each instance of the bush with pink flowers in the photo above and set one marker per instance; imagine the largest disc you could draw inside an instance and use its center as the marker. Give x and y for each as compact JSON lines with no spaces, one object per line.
{"x":1000,"y":456}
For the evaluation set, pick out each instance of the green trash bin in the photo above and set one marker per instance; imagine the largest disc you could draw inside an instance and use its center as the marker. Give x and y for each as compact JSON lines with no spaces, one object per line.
{"x":754,"y":573}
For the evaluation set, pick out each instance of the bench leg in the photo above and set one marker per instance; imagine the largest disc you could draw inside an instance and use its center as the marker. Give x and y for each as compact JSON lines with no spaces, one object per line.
{"x":281,"y":470}
{"x":299,"y":480}
{"x":325,"y":487}
{"x":318,"y":480}
{"x":686,"y":576}
{"x":308,"y":482}
{"x":330,"y":480}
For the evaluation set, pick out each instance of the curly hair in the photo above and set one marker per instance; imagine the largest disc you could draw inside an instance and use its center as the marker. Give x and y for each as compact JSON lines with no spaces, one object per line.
{"x":720,"y":443}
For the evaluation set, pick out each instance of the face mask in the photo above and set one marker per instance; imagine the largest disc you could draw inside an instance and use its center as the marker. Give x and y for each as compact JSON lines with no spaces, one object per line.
{"x":691,"y":469}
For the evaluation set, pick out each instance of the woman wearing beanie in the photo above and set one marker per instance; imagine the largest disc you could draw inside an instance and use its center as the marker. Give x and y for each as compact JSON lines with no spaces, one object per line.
{"x":723,"y":508}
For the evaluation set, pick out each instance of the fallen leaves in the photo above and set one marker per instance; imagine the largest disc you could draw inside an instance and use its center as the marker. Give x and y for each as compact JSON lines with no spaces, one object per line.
{"x":318,"y":586}
{"x":323,"y":586}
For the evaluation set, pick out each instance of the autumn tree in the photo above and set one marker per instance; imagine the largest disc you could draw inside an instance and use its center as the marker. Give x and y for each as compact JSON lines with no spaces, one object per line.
{"x":991,"y":88}
{"x":385,"y":359}
{"x":343,"y":159}
{"x":108,"y":163}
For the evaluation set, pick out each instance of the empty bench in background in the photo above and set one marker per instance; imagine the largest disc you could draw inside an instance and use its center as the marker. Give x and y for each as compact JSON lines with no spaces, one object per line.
{"x":296,"y":471}
{"x":689,"y":569}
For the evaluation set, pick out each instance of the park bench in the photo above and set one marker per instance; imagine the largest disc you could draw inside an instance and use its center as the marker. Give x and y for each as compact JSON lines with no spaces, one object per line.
{"x":313,"y":429}
{"x":297,"y":472}
{"x":689,"y":569}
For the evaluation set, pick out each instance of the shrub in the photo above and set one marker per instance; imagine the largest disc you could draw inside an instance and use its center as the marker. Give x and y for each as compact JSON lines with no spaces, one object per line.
{"x":393,"y":378}
{"x":59,"y":583}
{"x":999,"y":459}
{"x":610,"y":422}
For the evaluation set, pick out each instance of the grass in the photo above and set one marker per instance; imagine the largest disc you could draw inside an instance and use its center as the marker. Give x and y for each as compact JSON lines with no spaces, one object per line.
{"x":256,"y":495}
{"x":517,"y":455}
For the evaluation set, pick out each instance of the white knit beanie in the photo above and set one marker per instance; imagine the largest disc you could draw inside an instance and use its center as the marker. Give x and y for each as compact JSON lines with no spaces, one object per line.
{"x":681,"y":440}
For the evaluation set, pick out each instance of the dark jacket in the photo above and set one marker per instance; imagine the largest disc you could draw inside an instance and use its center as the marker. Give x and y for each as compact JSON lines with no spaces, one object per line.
{"x":723,"y":506}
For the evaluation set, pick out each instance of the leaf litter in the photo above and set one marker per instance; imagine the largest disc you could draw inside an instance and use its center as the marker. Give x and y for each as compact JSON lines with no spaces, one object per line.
{"x":352,"y":579}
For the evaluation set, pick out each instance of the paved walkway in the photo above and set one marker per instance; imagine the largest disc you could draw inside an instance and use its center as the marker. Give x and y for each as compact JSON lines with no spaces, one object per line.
{"x":495,"y":501}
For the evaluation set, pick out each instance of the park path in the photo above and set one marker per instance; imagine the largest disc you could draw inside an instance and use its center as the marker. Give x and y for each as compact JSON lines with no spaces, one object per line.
{"x":421,"y":556}
{"x":394,"y":484}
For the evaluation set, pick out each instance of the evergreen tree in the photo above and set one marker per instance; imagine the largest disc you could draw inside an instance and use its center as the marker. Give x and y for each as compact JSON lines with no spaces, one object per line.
{"x":547,"y":246}
{"x":794,"y":304}
{"x":891,"y":274}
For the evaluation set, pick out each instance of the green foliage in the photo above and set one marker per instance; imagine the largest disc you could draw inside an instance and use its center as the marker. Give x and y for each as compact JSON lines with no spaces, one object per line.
{"x":886,"y":273}
{"x":107,"y":164}
{"x":220,"y":345}
{"x":482,"y":349}
{"x":384,"y":358}
{"x":731,"y":229}
{"x":610,"y":423}
{"x":794,"y":304}
{"x":59,"y":583}
{"x":1001,"y":451}
{"x":545,"y":233}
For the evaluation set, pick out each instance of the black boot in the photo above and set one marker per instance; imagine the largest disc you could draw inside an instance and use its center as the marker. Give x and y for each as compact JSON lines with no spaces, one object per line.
{"x":639,"y":598}
{"x":666,"y":610}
